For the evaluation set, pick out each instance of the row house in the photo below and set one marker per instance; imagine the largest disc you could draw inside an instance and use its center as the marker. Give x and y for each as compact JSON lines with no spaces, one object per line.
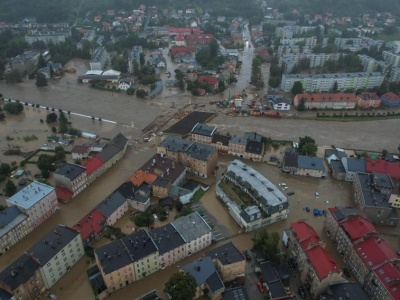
{"x":202,"y":133}
{"x":72,"y":178}
{"x":113,"y":207}
{"x":55,"y":37}
{"x":346,"y":168}
{"x":326,"y":100}
{"x":367,"y":100}
{"x":91,"y":227}
{"x":38,"y":201}
{"x":14,"y":226}
{"x":135,"y":197}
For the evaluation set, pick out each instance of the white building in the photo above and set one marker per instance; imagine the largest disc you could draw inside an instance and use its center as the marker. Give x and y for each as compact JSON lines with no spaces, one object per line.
{"x":99,"y":59}
{"x":37,"y":200}
{"x":57,"y":252}
{"x":370,"y":64}
{"x":392,"y":59}
{"x":55,"y":37}
{"x":134,"y":56}
{"x":288,"y":61}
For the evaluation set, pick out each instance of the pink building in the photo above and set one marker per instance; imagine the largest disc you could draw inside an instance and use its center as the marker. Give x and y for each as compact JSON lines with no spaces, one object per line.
{"x":365,"y":100}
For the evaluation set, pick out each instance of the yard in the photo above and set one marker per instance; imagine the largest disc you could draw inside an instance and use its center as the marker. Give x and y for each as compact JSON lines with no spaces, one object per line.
{"x":235,"y":193}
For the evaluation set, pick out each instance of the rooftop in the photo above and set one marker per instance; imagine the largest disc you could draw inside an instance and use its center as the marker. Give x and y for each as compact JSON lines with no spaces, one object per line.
{"x":226,"y":254}
{"x":81,"y":149}
{"x":310,"y":162}
{"x":353,"y":164}
{"x":345,"y":290}
{"x":111,"y":204}
{"x":290,"y":157}
{"x":383,"y":166}
{"x":333,"y":75}
{"x":166,"y":238}
{"x":328,"y":97}
{"x":10,"y":217}
{"x":337,"y":166}
{"x":70,"y":171}
{"x":30,"y":195}
{"x":238,"y":293}
{"x":163,"y":167}
{"x":357,"y":227}
{"x":370,"y":195}
{"x":204,"y":129}
{"x":305,"y":234}
{"x":108,"y":152}
{"x":201,"y":151}
{"x":176,"y":144}
{"x":52,"y":243}
{"x":191,"y":227}
{"x":223,"y":139}
{"x":141,"y":176}
{"x":373,"y":251}
{"x":185,"y":125}
{"x":127,"y":190}
{"x":272,"y":278}
{"x":388,"y":274}
{"x":321,"y":261}
{"x":120,"y":141}
{"x":90,"y":224}
{"x":92,"y":165}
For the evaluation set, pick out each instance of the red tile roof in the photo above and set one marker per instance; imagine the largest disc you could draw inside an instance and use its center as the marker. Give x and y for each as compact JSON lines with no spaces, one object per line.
{"x":389,"y":276}
{"x":357,"y":227}
{"x":374,"y":251}
{"x":368,"y":96}
{"x":178,"y":49}
{"x":199,"y":36}
{"x":208,"y":79}
{"x":140,"y":176}
{"x":80,"y":149}
{"x":183,"y":30}
{"x":306,"y":235}
{"x":91,"y":223}
{"x":179,"y":38}
{"x":391,"y":97}
{"x":328,"y":97}
{"x":321,"y":261}
{"x":92,"y":165}
{"x":63,"y":194}
{"x":383,"y":166}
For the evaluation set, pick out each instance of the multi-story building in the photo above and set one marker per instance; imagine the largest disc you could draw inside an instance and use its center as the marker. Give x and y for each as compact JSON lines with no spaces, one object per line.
{"x":229,"y":261}
{"x":113,"y":207}
{"x":14,"y":226}
{"x":288,"y":32}
{"x":366,"y":100}
{"x":371,"y":195}
{"x":71,"y":177}
{"x":91,"y":226}
{"x":55,"y":37}
{"x":203,"y":133}
{"x":391,"y":58}
{"x":395,"y":75}
{"x":344,"y":290}
{"x":317,"y":267}
{"x":296,"y":164}
{"x":293,"y":49}
{"x":198,"y":41}
{"x":384,"y":282}
{"x":289,"y":61}
{"x":56,"y":253}
{"x":37,"y":200}
{"x":370,"y":64}
{"x":99,"y":59}
{"x":326,"y":100}
{"x":273,"y":278}
{"x":391,"y":100}
{"x":268,"y":204}
{"x":310,"y":42}
{"x":221,"y":142}
{"x":392,"y":168}
{"x":248,"y":146}
{"x":326,"y":82}
{"x":134,"y":56}
{"x":88,"y":37}
{"x":170,"y":243}
{"x":22,"y":278}
{"x":195,"y":231}
{"x":127,"y":260}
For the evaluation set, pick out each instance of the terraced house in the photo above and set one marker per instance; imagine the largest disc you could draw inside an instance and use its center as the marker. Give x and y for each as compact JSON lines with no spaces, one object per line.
{"x":14,"y":226}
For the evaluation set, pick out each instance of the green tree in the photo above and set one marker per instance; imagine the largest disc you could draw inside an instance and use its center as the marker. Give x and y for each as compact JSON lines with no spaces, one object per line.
{"x":297,"y":88}
{"x":384,"y":153}
{"x":62,"y":118}
{"x":41,"y":80}
{"x":309,"y":149}
{"x":51,"y":118}
{"x":213,"y":48}
{"x":130,"y":91}
{"x":181,"y":286}
{"x":302,"y":105}
{"x":140,"y":93}
{"x":59,"y":153}
{"x":335,"y":87}
{"x":304,"y":140}
{"x":136,"y":68}
{"x":267,"y":243}
{"x":5,"y":169}
{"x":13,"y":108}
{"x":10,"y":188}
{"x":41,"y":62}
{"x":63,"y":127}
{"x":142,"y":59}
{"x":14,"y":76}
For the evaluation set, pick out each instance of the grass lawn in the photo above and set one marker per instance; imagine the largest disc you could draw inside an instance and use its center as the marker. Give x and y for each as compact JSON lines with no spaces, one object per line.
{"x":389,"y":37}
{"x":198,"y":195}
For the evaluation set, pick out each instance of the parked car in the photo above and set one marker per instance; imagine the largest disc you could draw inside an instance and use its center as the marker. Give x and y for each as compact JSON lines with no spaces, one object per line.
{"x":290,"y":193}
{"x":346,"y":273}
{"x":260,"y":287}
{"x":316,"y":195}
{"x":155,"y":218}
{"x":51,"y":296}
{"x":285,"y":188}
{"x":302,"y":292}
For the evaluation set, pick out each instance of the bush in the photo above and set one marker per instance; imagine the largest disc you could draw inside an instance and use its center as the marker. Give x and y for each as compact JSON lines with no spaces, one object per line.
{"x":141,"y":93}
{"x":13,"y":108}
{"x":51,"y":118}
{"x":130,"y":91}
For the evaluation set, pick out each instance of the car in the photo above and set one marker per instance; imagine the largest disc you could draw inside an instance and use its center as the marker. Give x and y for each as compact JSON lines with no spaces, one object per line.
{"x":261,"y":287}
{"x":316,"y":195}
{"x":51,"y":296}
{"x":285,"y":188}
{"x":302,"y":292}
{"x":290,"y":193}
{"x":282,"y":184}
{"x":155,"y":218}
{"x":346,"y":273}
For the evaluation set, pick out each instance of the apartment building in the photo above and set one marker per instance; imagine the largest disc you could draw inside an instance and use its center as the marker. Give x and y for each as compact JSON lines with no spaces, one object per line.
{"x":288,"y":32}
{"x":345,"y":290}
{"x":14,"y":226}
{"x":296,"y":164}
{"x":310,"y":42}
{"x":203,"y":133}
{"x":71,"y":178}
{"x":195,"y":231}
{"x":38,"y":201}
{"x":392,"y":59}
{"x":88,"y":37}
{"x":326,"y":82}
{"x":367,"y":100}
{"x":170,"y":243}
{"x":55,"y":37}
{"x":293,"y":49}
{"x":249,"y":146}
{"x":56,"y":253}
{"x":289,"y":61}
{"x":326,"y":100}
{"x":134,"y":56}
{"x":198,"y":40}
{"x":384,"y":282}
{"x":113,"y":207}
{"x":229,"y":261}
{"x":370,"y":64}
{"x":391,"y":100}
{"x":100,"y":59}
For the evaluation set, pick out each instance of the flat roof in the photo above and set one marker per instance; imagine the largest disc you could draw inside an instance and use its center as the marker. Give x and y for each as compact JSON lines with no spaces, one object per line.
{"x":191,"y":227}
{"x":185,"y":125}
{"x":30,"y":195}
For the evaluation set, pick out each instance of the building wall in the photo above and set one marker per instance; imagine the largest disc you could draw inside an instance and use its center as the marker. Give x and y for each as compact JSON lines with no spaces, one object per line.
{"x":138,"y":205}
{"x":309,"y":172}
{"x":390,"y":103}
{"x":375,"y":288}
{"x":60,"y":264}
{"x":230,"y":271}
{"x":395,"y":200}
{"x":368,"y":103}
{"x":169,"y":258}
{"x":28,"y":290}
{"x":198,"y":244}
{"x":116,"y":215}
{"x":146,"y":266}
{"x":15,"y":235}
{"x":119,"y":278}
{"x":357,"y":266}
{"x":160,"y":191}
{"x":201,"y":138}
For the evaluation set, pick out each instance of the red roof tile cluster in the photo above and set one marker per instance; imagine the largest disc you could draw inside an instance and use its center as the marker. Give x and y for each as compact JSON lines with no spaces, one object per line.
{"x":208,"y":80}
{"x":368,"y":96}
{"x":357,"y":227}
{"x":383,"y":166}
{"x":199,"y":36}
{"x":176,"y":50}
{"x":63,"y":194}
{"x":140,"y":176}
{"x":391,"y":97}
{"x":92,"y":165}
{"x":183,"y":30}
{"x":179,"y":38}
{"x":328,"y":97}
{"x":373,"y":251}
{"x":389,"y":275}
{"x":321,"y":261}
{"x":92,"y":223}
{"x":306,"y":235}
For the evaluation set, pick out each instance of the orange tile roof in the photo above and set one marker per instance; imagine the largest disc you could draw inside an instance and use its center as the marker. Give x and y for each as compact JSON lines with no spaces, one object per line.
{"x":139,"y":177}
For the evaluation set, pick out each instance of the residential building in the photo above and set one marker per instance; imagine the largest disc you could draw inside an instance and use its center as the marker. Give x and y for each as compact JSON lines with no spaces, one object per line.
{"x":71,"y":177}
{"x":55,"y":37}
{"x":208,"y":281}
{"x":100,"y":59}
{"x":221,"y":142}
{"x":248,"y":146}
{"x":296,"y":164}
{"x":22,"y":278}
{"x":56,"y":253}
{"x":384,"y":282}
{"x":266,"y":203}
{"x":80,"y":152}
{"x":14,"y":226}
{"x":392,"y":59}
{"x":317,"y":267}
{"x":113,"y":207}
{"x":344,"y":290}
{"x":135,"y":201}
{"x":370,"y":64}
{"x":326,"y":100}
{"x":383,"y":166}
{"x":184,"y":31}
{"x":210,"y":81}
{"x":195,"y":231}
{"x":371,"y":195}
{"x":198,"y":40}
{"x":134,"y":56}
{"x":365,"y":100}
{"x":334,"y":154}
{"x":88,"y":37}
{"x":237,"y":293}
{"x":352,"y":166}
{"x":337,"y":169}
{"x":203,"y":133}
{"x":37,"y":200}
{"x":229,"y":261}
{"x":391,"y":100}
{"x":127,"y":260}
{"x":289,"y":61}
{"x":91,"y":226}
{"x":325,"y":82}
{"x":275,"y":278}
{"x":170,"y":243}
{"x":125,"y":83}
{"x":94,"y":168}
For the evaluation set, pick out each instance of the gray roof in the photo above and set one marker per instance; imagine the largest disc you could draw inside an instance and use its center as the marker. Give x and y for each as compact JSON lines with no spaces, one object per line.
{"x":161,"y":182}
{"x":253,"y":136}
{"x":333,"y":75}
{"x":272,"y":278}
{"x":112,"y":203}
{"x":163,"y":167}
{"x":22,"y":268}
{"x":108,"y":152}
{"x":310,"y":162}
{"x":226,"y":254}
{"x":191,"y":227}
{"x":4,"y":295}
{"x":250,"y":211}
{"x":290,"y":157}
{"x":71,"y":171}
{"x":338,"y":153}
{"x":344,"y":290}
{"x":354,"y":164}
{"x":342,"y":213}
{"x":255,"y":147}
{"x":166,"y":238}
{"x":203,"y":270}
{"x":204,"y":129}
{"x":370,"y":195}
{"x":239,"y":293}
{"x":125,"y":251}
{"x":223,"y":139}
{"x":10,"y":217}
{"x":238,"y":140}
{"x":176,"y":144}
{"x":201,"y":151}
{"x":127,"y":190}
{"x":382,"y":181}
{"x":120,"y":141}
{"x":52,"y":243}
{"x":337,"y":166}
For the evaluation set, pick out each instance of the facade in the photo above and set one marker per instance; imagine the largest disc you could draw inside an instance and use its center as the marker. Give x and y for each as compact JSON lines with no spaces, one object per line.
{"x":384,"y":282}
{"x":127,"y":260}
{"x":56,"y":37}
{"x":248,"y":146}
{"x":296,"y":164}
{"x":195,"y":231}
{"x":366,"y":100}
{"x":99,"y":59}
{"x":22,"y":278}
{"x":80,"y":152}
{"x":170,"y":244}
{"x":113,"y":207}
{"x":56,"y":253}
{"x":71,"y":177}
{"x":229,"y":261}
{"x":325,"y":82}
{"x":37,"y":200}
{"x":203,"y":133}
{"x":391,"y":100}
{"x":371,"y":195}
{"x":289,"y":61}
{"x":91,"y":226}
{"x":391,"y":58}
{"x":136,"y":197}
{"x":273,"y":277}
{"x":14,"y":226}
{"x":269,"y":204}
{"x":326,"y":100}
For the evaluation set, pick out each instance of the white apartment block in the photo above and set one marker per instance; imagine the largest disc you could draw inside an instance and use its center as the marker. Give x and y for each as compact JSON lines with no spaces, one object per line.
{"x":395,"y":75}
{"x":37,"y":200}
{"x":287,"y":32}
{"x":55,"y":37}
{"x":309,"y":42}
{"x":392,"y":59}
{"x":370,"y":64}
{"x":134,"y":56}
{"x":293,"y":49}
{"x":325,"y":82}
{"x":288,"y":61}
{"x":99,"y":59}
